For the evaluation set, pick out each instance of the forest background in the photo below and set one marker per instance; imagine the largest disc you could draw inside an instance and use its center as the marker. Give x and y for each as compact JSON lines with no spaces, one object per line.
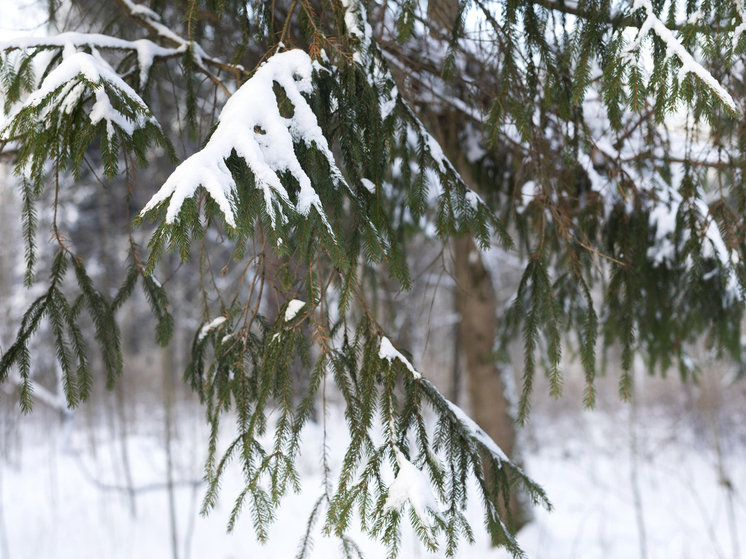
{"x":130,"y":461}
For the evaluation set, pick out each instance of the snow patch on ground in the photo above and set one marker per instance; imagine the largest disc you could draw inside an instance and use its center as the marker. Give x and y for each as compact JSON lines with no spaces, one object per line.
{"x":64,"y":497}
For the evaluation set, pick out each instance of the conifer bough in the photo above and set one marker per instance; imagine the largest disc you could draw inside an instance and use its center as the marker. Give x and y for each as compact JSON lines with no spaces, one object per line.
{"x":602,"y":136}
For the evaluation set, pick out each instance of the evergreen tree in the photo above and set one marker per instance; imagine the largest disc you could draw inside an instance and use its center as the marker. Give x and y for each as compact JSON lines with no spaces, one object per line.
{"x":604,"y":141}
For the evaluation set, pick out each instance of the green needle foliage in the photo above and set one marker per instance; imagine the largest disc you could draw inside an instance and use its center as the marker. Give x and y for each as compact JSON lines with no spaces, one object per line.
{"x":601,"y":141}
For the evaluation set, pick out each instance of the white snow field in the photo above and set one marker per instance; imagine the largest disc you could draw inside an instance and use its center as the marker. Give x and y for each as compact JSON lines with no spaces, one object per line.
{"x":64,"y":488}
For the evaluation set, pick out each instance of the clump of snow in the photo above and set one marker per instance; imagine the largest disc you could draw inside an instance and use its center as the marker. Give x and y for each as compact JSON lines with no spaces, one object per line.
{"x":251,"y":124}
{"x":68,"y":50}
{"x":71,"y":95}
{"x":529,"y":191}
{"x":477,"y":432}
{"x":411,"y":485}
{"x":741,"y":26}
{"x":369,"y":186}
{"x":141,"y":10}
{"x":388,"y":352}
{"x":436,"y":152}
{"x":207,"y":328}
{"x":388,"y":105}
{"x":695,"y":18}
{"x":293,"y":308}
{"x":354,"y":16}
{"x":474,"y":200}
{"x":71,"y":66}
{"x":103,"y":110}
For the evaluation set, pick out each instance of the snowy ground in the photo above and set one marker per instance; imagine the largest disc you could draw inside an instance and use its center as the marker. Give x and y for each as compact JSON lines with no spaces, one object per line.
{"x":62,"y":491}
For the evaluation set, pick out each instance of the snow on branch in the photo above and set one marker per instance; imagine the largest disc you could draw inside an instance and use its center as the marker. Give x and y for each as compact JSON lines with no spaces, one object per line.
{"x":389,"y":353}
{"x":461,"y":202}
{"x":412,"y":485}
{"x":451,"y":411}
{"x":209,"y":327}
{"x":152,"y":21}
{"x":741,"y":28}
{"x":356,"y":21}
{"x":476,"y":432}
{"x":674,"y":46}
{"x":147,"y":51}
{"x":664,"y":215}
{"x":66,"y":86}
{"x":293,"y":309}
{"x":251,"y":124}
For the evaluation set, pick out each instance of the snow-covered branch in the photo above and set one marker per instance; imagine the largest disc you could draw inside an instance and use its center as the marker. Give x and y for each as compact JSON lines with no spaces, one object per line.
{"x":147,"y":51}
{"x":395,"y":109}
{"x":674,"y":46}
{"x":664,"y":215}
{"x":455,"y":414}
{"x":152,"y":21}
{"x":65,"y":87}
{"x":251,"y":124}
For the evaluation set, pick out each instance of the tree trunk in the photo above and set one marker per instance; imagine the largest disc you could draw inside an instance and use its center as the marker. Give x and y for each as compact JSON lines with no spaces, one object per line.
{"x":476,"y":302}
{"x":442,"y":13}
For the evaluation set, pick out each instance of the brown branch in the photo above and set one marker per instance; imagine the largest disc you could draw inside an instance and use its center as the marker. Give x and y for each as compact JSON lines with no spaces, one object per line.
{"x":615,"y":20}
{"x":286,"y":25}
{"x":176,"y":41}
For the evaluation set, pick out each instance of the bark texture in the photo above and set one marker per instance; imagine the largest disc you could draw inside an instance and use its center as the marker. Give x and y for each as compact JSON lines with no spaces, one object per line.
{"x":476,"y":302}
